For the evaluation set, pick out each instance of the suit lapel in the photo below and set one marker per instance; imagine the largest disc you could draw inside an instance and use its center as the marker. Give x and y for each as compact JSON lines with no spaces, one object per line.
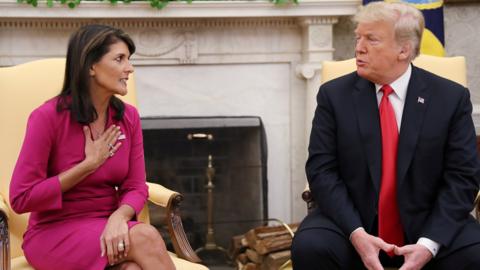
{"x":416,"y":103}
{"x":366,"y":107}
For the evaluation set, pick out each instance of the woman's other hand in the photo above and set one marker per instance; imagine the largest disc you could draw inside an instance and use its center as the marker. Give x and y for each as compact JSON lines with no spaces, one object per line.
{"x":114,"y":241}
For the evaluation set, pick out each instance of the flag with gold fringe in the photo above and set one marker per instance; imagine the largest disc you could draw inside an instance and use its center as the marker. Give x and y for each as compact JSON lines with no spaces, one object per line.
{"x":433,"y":40}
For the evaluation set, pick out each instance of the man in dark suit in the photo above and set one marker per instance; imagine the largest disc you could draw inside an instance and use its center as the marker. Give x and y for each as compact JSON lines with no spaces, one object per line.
{"x":392,"y":160}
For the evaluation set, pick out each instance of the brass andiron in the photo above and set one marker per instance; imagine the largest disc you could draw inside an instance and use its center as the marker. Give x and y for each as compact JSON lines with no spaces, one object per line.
{"x":210,"y":238}
{"x":210,"y":244}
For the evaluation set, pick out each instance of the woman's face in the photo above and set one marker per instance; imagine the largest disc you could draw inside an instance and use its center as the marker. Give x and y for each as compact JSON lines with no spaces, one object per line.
{"x":109,"y":75}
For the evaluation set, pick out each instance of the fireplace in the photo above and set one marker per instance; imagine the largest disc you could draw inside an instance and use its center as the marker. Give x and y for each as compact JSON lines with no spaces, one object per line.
{"x":176,"y":156}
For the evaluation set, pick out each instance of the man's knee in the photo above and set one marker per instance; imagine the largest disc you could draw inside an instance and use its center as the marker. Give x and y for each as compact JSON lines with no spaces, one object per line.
{"x":463,"y":259}
{"x":317,"y":248}
{"x":471,"y":257}
{"x":303,"y":245}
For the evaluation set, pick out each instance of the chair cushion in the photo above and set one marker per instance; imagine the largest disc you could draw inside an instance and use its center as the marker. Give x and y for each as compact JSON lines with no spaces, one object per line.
{"x":20,"y":263}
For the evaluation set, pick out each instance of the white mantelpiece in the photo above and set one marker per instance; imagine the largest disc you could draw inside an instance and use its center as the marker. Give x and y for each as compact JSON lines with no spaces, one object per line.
{"x":209,"y":58}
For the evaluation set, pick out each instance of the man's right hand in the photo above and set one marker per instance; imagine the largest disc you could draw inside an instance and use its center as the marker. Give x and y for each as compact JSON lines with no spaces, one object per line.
{"x":368,"y":247}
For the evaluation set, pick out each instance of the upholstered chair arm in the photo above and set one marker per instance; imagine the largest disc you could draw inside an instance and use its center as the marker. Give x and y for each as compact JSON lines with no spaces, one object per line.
{"x":160,"y":195}
{"x":4,"y":235}
{"x":171,"y":200}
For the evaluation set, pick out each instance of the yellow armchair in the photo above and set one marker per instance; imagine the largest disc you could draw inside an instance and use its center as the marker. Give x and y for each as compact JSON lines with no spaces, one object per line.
{"x":452,"y":68}
{"x":23,"y":88}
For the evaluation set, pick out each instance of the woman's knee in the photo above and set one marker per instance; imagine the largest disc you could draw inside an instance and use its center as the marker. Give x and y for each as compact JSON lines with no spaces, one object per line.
{"x":125,"y":266}
{"x":130,"y":266}
{"x":146,"y":235}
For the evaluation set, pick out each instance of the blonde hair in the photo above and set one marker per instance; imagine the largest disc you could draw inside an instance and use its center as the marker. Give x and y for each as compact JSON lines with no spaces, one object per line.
{"x":407,"y":20}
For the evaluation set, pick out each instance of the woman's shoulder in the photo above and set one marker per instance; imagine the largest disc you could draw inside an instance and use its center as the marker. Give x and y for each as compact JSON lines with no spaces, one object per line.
{"x":130,"y":116}
{"x":130,"y":111}
{"x":48,"y":108}
{"x":46,"y":115}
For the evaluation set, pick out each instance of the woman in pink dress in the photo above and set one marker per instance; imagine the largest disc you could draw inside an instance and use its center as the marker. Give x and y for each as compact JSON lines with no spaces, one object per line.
{"x":81,"y":170}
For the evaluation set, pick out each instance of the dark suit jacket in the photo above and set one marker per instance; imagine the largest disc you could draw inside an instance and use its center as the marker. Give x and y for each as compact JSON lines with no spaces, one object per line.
{"x":437,"y":164}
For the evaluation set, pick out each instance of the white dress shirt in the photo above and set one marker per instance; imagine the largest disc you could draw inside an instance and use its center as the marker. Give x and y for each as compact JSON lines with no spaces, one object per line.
{"x":397,"y":99}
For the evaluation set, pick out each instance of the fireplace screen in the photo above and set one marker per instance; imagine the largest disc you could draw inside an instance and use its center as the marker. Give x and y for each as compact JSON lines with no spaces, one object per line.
{"x":178,"y":152}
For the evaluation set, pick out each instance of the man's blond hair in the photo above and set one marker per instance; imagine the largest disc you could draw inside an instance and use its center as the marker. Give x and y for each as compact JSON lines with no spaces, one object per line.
{"x":407,"y":20}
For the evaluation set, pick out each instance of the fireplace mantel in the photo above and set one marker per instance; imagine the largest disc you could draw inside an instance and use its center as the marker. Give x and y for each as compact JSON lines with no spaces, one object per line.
{"x":220,"y":58}
{"x":197,"y":9}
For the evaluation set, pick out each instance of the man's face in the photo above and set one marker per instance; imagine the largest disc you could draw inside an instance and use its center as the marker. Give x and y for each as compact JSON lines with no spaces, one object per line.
{"x":377,"y":53}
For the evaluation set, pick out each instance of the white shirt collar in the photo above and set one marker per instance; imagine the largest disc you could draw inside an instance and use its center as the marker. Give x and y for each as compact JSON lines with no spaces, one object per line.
{"x":400,"y":85}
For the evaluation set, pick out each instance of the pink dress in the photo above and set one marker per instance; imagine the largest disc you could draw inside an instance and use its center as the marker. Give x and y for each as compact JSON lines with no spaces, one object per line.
{"x":64,"y":228}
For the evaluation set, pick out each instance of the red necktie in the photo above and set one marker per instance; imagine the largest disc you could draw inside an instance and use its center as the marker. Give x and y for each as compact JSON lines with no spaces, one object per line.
{"x":389,"y":224}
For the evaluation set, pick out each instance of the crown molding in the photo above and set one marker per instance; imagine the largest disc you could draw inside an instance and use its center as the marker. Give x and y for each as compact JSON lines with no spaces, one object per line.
{"x":63,"y":23}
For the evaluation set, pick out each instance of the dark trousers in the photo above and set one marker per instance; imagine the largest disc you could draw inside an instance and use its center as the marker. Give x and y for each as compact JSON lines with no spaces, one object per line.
{"x":319,"y":248}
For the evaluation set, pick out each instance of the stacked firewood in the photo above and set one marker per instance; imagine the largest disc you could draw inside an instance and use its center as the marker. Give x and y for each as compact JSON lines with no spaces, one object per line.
{"x":262,"y":248}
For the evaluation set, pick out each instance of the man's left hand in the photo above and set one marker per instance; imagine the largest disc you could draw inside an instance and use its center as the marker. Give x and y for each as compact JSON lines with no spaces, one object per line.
{"x":416,"y":256}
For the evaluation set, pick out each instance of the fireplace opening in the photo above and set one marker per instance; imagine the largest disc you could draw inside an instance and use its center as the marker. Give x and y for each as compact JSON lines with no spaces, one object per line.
{"x":177,"y":154}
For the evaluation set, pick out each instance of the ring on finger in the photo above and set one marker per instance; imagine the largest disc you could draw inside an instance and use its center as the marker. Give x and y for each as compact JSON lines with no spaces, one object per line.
{"x":110,"y":146}
{"x":121,"y":246}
